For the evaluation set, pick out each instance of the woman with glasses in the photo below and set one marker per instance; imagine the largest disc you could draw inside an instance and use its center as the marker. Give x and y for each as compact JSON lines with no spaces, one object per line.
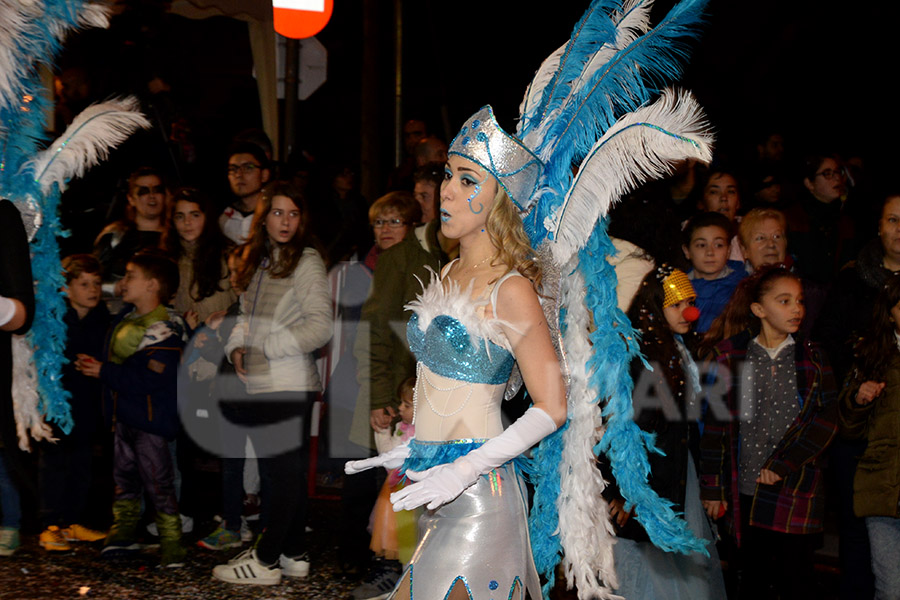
{"x":821,"y":231}
{"x":391,"y":218}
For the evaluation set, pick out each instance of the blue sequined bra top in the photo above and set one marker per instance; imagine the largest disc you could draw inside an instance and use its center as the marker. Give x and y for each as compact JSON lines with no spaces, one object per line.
{"x":446,"y":335}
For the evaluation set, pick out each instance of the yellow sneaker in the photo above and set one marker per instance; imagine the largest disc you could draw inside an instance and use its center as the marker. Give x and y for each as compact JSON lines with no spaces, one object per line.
{"x":53,"y":540}
{"x":80,"y":533}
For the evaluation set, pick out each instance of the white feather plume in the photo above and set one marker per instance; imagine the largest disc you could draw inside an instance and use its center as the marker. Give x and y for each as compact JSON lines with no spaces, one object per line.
{"x":87,"y":141}
{"x":29,"y":421}
{"x":95,"y":14}
{"x":541,"y":78}
{"x":16,"y":21}
{"x":586,"y":534}
{"x":450,"y":298}
{"x":22,"y":19}
{"x":91,"y":15}
{"x":642,"y":145}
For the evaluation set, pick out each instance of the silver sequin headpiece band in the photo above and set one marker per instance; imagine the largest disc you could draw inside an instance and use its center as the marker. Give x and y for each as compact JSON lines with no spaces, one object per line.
{"x":484,"y":142}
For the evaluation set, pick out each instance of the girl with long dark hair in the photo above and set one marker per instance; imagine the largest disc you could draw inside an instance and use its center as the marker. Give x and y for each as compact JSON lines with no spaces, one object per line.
{"x":285,"y":316}
{"x":763,"y":442}
{"x":194,"y":239}
{"x":665,"y":404}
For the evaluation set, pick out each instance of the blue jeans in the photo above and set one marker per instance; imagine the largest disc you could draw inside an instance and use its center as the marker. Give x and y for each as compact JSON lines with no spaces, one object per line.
{"x":9,"y":496}
{"x":884,"y":539}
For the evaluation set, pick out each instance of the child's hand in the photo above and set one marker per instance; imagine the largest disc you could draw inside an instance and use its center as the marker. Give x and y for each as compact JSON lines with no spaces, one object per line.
{"x":215,"y":319}
{"x":716,"y":509}
{"x":199,"y":339}
{"x":88,"y":365}
{"x":380,"y":418}
{"x":237,"y":359}
{"x":868,"y":391}
{"x":767,"y":477}
{"x":192,"y":318}
{"x":617,"y":512}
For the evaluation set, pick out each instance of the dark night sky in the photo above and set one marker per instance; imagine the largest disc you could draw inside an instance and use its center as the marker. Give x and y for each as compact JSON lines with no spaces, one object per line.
{"x":822,"y":71}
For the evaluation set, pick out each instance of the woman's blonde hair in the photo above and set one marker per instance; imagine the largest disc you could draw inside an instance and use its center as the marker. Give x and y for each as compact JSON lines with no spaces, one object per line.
{"x":508,"y":237}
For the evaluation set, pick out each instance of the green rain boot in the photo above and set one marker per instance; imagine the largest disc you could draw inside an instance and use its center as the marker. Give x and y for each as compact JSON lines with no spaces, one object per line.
{"x":121,"y":538}
{"x":172,"y":553}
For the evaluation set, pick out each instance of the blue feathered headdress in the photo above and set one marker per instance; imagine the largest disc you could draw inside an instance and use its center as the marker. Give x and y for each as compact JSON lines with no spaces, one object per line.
{"x":598,"y":116}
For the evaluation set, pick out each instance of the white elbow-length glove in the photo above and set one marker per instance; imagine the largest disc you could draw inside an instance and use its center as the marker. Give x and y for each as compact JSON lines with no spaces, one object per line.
{"x":7,"y":310}
{"x":392,"y":459}
{"x":443,"y":483}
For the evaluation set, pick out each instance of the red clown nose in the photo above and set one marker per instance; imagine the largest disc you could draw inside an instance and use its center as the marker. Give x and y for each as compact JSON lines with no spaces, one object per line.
{"x":691,"y":314}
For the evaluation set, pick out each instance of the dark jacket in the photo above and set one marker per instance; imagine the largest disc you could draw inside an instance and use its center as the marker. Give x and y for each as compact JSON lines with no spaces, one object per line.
{"x":822,"y":238}
{"x":383,"y":356}
{"x":660,"y":401}
{"x":876,"y":486}
{"x":794,"y":504}
{"x":86,"y":335}
{"x":141,"y":392}
{"x":848,"y":311}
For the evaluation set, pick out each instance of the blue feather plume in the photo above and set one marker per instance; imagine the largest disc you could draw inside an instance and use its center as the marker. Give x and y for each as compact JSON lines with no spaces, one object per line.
{"x":631,"y":78}
{"x":623,"y":442}
{"x":591,"y":32}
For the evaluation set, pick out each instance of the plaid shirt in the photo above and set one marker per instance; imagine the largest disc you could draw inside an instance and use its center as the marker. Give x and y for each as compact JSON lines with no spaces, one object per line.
{"x":794,"y":504}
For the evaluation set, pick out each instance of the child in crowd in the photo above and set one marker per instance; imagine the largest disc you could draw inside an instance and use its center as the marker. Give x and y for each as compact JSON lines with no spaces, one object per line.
{"x":393,"y":534}
{"x":64,"y":475}
{"x":139,"y":377}
{"x":763,"y":443}
{"x":869,"y":409}
{"x":707,"y":237}
{"x":665,"y":404}
{"x":721,"y":193}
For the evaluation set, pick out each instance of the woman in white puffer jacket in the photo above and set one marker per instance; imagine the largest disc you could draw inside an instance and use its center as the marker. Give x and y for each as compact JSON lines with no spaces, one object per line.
{"x":286,"y":315}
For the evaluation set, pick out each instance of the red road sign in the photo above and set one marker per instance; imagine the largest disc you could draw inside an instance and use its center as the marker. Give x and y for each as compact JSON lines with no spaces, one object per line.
{"x":301,"y":18}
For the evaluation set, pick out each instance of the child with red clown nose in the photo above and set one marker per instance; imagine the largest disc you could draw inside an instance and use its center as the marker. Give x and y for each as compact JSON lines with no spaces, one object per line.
{"x":664,"y":400}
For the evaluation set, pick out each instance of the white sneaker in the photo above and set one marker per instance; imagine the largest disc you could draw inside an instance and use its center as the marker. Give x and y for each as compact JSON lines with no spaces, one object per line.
{"x":294,"y":567}
{"x":246,"y":569}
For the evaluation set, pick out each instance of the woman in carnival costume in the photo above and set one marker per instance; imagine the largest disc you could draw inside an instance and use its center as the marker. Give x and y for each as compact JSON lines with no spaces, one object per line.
{"x":531,"y":285}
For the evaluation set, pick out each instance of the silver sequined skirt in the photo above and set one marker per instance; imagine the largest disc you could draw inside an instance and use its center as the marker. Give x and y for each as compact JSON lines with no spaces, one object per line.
{"x":480,"y":539}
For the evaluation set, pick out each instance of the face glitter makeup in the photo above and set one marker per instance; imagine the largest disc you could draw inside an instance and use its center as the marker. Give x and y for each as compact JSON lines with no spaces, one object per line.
{"x":472,"y":197}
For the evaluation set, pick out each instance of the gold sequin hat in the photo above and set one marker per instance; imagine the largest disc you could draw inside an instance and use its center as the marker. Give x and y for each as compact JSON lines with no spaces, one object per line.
{"x":484,"y":142}
{"x":677,"y":287}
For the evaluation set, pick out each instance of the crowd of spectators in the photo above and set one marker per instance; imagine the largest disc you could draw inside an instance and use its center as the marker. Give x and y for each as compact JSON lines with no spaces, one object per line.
{"x":291,"y":289}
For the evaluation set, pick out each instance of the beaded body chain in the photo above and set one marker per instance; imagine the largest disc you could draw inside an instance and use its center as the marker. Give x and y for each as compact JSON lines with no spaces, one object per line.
{"x":421,"y":376}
